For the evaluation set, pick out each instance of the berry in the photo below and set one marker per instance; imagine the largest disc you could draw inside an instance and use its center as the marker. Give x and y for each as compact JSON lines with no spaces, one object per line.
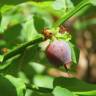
{"x":59,"y":53}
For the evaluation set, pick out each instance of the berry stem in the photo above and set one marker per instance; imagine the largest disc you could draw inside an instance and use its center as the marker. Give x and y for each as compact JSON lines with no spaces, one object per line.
{"x":70,"y":13}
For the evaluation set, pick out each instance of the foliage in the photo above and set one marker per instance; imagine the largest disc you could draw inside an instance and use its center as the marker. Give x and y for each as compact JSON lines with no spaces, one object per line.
{"x":23,"y":63}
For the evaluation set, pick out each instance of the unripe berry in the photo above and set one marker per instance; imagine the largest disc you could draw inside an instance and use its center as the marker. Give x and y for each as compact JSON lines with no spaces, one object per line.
{"x":59,"y":53}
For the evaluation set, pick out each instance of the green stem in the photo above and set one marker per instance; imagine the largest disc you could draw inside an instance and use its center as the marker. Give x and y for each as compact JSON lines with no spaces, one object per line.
{"x":64,"y":18}
{"x":22,"y":47}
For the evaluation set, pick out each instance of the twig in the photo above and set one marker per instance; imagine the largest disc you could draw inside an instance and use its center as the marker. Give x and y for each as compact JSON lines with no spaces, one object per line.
{"x":22,"y":47}
{"x":70,"y":13}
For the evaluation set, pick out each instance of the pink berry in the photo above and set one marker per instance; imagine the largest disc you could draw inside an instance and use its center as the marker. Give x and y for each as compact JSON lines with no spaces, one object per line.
{"x":59,"y":53}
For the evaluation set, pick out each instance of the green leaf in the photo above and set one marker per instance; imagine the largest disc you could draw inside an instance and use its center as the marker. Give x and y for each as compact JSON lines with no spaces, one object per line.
{"x":69,"y":4}
{"x":59,"y":4}
{"x":74,"y":84}
{"x":93,"y":2}
{"x":6,"y":8}
{"x":39,"y":23}
{"x":28,"y":92}
{"x":6,"y":87}
{"x":37,"y":67}
{"x":59,"y":91}
{"x":10,"y":19}
{"x":12,"y":15}
{"x":1,"y":58}
{"x":28,"y":31}
{"x":11,"y":36}
{"x":75,"y":53}
{"x":43,"y":81}
{"x":18,"y":83}
{"x":4,"y":23}
{"x":62,"y":4}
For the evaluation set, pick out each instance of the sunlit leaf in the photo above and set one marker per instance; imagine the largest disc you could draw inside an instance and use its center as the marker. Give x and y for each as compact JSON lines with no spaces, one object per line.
{"x":18,"y":83}
{"x":4,"y":23}
{"x":93,"y":2}
{"x":28,"y":30}
{"x":1,"y":58}
{"x":6,"y":8}
{"x":43,"y":81}
{"x":59,"y":91}
{"x":59,"y":4}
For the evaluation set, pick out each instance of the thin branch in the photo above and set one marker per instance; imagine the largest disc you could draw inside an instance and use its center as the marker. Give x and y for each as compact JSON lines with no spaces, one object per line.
{"x":70,"y":13}
{"x":22,"y":47}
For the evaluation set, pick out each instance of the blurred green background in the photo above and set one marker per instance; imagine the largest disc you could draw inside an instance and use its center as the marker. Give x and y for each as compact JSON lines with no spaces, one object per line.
{"x":21,"y":20}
